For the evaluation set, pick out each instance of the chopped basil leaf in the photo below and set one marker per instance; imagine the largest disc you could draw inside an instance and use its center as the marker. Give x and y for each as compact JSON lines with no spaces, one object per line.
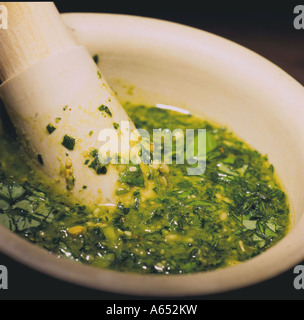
{"x":68,"y":142}
{"x":97,"y":166}
{"x":133,"y":177}
{"x":105,"y":109}
{"x":40,"y":160}
{"x":50,"y":128}
{"x":96,"y":58}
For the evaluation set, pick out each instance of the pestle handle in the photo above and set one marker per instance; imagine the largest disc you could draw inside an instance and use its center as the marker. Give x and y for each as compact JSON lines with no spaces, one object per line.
{"x":35,"y":32}
{"x":51,"y":81}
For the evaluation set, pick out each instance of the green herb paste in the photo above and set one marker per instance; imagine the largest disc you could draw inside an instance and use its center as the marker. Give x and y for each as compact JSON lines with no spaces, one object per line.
{"x":231,"y":213}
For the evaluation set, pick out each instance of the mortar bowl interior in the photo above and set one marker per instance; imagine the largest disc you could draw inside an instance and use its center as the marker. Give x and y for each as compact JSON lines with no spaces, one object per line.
{"x":214,"y":78}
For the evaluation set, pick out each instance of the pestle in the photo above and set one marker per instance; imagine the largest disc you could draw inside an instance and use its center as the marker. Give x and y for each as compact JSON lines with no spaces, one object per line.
{"x":59,"y":101}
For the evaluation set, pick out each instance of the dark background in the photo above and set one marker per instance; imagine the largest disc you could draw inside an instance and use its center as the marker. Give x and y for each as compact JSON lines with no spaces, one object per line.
{"x":266,"y":28}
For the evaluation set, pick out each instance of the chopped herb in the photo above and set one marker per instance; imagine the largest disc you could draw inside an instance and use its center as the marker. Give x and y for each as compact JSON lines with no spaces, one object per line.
{"x":68,"y":142}
{"x":121,"y":207}
{"x":99,"y":74}
{"x":98,"y":167}
{"x":105,"y":109}
{"x":50,"y":128}
{"x":40,"y":160}
{"x":121,"y":191}
{"x":115,"y":125}
{"x":96,"y":58}
{"x":65,"y":107}
{"x":101,"y":170}
{"x":84,"y":187}
{"x":91,"y":133}
{"x":57,"y":120}
{"x":96,"y":164}
{"x":133,"y":178}
{"x":211,"y":143}
{"x":94,"y":153}
{"x":136,"y":196}
{"x":250,"y":224}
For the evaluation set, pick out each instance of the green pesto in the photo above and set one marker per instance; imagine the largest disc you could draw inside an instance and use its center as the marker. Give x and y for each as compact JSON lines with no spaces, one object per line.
{"x":233,"y":212}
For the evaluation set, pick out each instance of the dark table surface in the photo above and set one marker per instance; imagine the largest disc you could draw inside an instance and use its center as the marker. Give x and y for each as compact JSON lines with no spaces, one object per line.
{"x":264,"y":30}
